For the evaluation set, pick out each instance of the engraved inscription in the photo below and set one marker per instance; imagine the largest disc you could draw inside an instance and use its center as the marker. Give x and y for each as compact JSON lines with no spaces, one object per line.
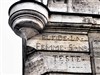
{"x":68,"y":62}
{"x":58,"y":61}
{"x":62,"y":42}
{"x":62,"y":37}
{"x":31,"y":66}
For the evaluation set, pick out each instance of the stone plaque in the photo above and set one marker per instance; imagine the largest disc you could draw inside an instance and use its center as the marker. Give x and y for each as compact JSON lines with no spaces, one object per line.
{"x":68,"y":62}
{"x":59,"y":42}
{"x":58,"y":62}
{"x":97,"y":64}
{"x":86,"y":6}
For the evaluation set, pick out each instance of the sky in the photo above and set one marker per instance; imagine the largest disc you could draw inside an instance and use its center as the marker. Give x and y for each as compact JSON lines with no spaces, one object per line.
{"x":10,"y":44}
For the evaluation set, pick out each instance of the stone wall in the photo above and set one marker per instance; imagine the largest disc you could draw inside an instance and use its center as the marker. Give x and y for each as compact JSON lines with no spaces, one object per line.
{"x":67,"y":41}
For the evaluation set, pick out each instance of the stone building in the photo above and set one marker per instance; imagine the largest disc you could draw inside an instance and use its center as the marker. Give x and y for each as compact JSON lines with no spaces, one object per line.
{"x":60,"y":37}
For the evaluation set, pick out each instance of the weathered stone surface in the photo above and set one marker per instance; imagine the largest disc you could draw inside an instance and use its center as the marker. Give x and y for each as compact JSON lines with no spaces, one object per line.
{"x":66,"y":48}
{"x":71,"y":19}
{"x":75,"y":6}
{"x":68,"y":62}
{"x":60,"y":42}
{"x":97,"y":20}
{"x":35,"y":65}
{"x":42,"y":62}
{"x":97,"y":73}
{"x":86,"y":6}
{"x":97,"y":64}
{"x":65,"y":74}
{"x":96,"y":48}
{"x":59,"y":6}
{"x":57,"y":74}
{"x":95,"y":43}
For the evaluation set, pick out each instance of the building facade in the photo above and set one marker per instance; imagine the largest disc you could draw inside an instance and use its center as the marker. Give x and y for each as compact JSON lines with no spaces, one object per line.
{"x":60,"y":37}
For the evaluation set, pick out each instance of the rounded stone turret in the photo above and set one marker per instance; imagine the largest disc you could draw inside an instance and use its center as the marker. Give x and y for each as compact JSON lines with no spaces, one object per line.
{"x":28,"y":18}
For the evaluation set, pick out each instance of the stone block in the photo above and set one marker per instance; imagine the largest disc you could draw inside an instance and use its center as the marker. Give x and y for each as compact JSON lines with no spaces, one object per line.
{"x":71,"y":19}
{"x":96,"y":48}
{"x":42,"y":62}
{"x":97,"y":20}
{"x":86,"y":6}
{"x":75,"y":6}
{"x":58,"y":6}
{"x":59,"y":42}
{"x":95,"y":43}
{"x":97,"y":64}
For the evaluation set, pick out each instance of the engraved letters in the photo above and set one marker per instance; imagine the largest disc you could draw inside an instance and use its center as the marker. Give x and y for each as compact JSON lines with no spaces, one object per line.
{"x":71,"y":62}
{"x":61,"y":42}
